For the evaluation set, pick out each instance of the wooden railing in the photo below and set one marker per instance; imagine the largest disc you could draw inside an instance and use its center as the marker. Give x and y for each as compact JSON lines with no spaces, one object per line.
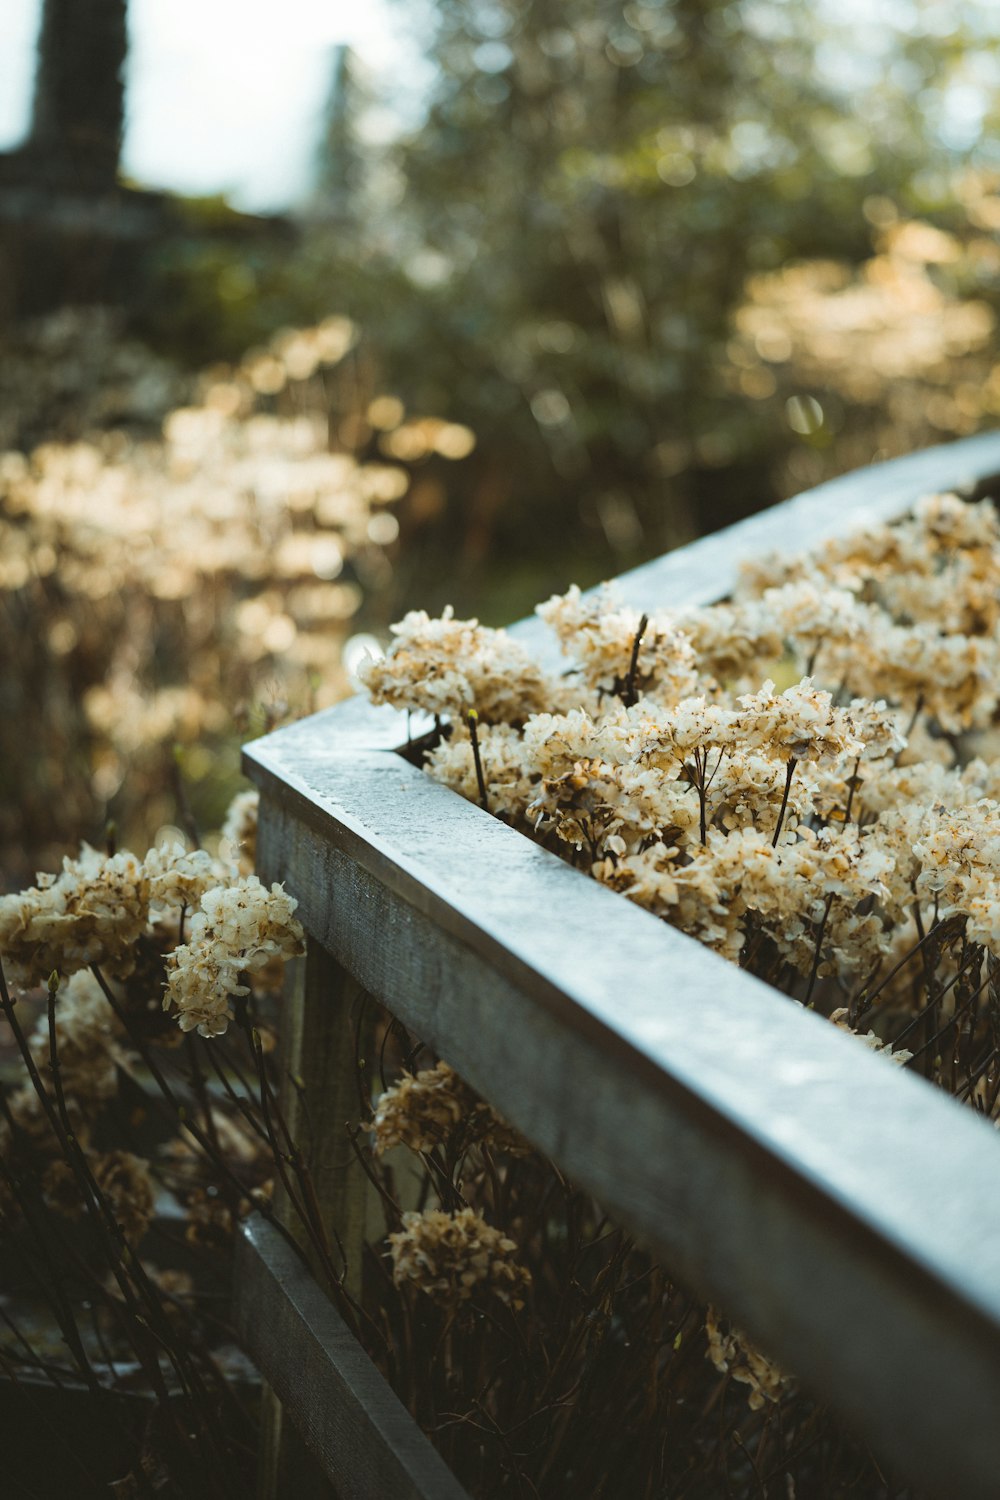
{"x":843,"y":1212}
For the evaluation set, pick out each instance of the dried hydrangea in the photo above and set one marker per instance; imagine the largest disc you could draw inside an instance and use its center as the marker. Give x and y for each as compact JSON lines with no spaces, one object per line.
{"x":450,"y":666}
{"x":122,"y":1180}
{"x":426,"y":1109}
{"x":454,"y":1257}
{"x":605,"y":641}
{"x":93,"y":912}
{"x":178,"y":876}
{"x":811,"y":827}
{"x":237,"y":931}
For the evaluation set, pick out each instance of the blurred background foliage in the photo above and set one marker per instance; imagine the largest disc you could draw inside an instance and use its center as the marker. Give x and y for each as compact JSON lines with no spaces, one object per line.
{"x":631,"y":272}
{"x":566,"y":255}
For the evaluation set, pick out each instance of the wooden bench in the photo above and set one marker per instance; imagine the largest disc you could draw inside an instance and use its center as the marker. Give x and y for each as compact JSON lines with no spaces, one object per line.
{"x":842,"y":1211}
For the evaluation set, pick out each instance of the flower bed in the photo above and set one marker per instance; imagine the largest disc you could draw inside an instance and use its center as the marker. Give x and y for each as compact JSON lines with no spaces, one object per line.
{"x":839,"y":838}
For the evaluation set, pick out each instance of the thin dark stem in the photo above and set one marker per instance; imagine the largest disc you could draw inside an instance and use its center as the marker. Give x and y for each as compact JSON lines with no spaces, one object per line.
{"x":241,"y":1103}
{"x":789,"y":773}
{"x":62,"y":1310}
{"x":907,"y":958}
{"x":182,"y":1115}
{"x":702,"y":761}
{"x":819,"y":946}
{"x":473,"y":721}
{"x":119,"y":1252}
{"x":851,"y":789}
{"x":960,"y":1011}
{"x":629,"y":696}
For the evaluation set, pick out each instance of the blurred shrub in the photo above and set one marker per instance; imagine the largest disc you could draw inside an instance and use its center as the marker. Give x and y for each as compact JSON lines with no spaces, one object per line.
{"x":159,"y":597}
{"x":879,"y":359}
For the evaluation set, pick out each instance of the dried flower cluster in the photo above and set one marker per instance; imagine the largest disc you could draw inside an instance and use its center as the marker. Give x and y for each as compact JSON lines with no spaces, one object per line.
{"x":237,"y":932}
{"x":122,"y":1179}
{"x":96,"y":909}
{"x":97,"y":1198}
{"x":815,"y":834}
{"x":454,"y":1257}
{"x":99,"y":907}
{"x":215,"y":530}
{"x":427,"y":1109}
{"x":91,"y":913}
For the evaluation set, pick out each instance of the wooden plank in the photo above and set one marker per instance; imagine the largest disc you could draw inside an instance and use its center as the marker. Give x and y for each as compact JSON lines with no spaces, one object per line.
{"x":322,"y":1022}
{"x":363,"y":1438}
{"x":776,"y":1165}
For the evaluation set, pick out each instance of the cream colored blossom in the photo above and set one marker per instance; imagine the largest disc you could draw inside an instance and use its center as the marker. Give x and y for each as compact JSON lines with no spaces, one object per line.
{"x":93,"y":912}
{"x":238,"y":930}
{"x":122,"y":1180}
{"x":450,"y":666}
{"x":815,"y":829}
{"x":456,"y":1257}
{"x":125,"y":1183}
{"x":601,"y":639}
{"x":177,"y":876}
{"x":509,"y":785}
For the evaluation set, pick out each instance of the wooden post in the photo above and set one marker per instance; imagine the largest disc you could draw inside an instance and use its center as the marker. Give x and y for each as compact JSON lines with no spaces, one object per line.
{"x":327,"y":1033}
{"x":326,"y":1026}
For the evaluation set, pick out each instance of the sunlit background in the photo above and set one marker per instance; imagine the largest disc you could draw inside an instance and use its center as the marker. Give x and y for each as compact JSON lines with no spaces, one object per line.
{"x":412,"y":302}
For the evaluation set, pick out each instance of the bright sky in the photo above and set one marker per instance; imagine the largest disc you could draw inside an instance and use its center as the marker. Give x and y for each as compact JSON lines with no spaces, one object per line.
{"x":227,"y":94}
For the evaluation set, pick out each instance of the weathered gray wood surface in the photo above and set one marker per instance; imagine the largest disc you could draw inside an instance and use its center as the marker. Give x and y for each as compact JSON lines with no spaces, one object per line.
{"x":365,"y":1441}
{"x":321,"y":1018}
{"x":844,"y":1213}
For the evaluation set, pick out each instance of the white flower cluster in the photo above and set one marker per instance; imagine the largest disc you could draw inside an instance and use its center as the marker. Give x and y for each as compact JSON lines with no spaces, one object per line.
{"x":101,"y":910}
{"x":603,"y":641}
{"x":237,"y":931}
{"x":909,"y":611}
{"x":450,"y":666}
{"x":179,"y":877}
{"x":92,"y":912}
{"x":96,"y":909}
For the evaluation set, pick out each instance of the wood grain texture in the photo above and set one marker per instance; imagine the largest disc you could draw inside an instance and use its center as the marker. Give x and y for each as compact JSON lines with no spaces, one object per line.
{"x":843,"y":1212}
{"x":319,"y":1050}
{"x":362,"y":1437}
{"x":324,"y":1018}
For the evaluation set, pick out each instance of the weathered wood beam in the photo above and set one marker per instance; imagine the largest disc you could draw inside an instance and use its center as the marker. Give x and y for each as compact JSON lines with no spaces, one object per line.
{"x":364,"y":1439}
